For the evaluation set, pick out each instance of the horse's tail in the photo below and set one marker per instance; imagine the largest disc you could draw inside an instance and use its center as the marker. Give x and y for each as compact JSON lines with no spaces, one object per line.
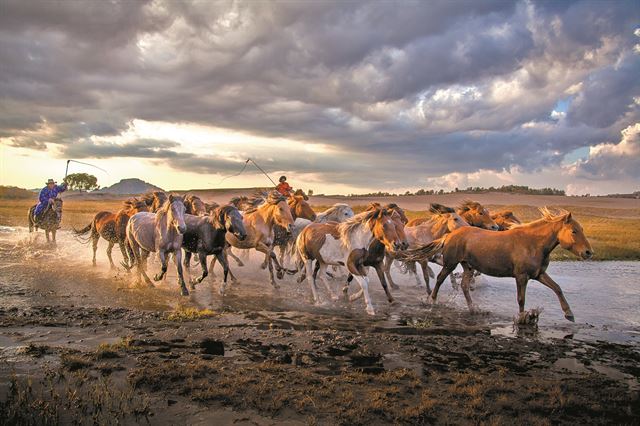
{"x":422,"y":253}
{"x":132,"y":257}
{"x":80,"y":234}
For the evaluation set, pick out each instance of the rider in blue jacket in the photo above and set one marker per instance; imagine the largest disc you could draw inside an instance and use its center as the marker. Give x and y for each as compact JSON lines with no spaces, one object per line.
{"x":47,"y":195}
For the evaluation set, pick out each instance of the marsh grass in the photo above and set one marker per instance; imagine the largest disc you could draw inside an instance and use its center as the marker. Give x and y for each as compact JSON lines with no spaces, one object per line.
{"x":187,"y":313}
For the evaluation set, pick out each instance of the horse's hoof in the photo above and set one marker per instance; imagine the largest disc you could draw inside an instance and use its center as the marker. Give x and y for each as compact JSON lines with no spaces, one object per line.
{"x":395,"y":286}
{"x":391,"y":300}
{"x":157,"y":277}
{"x":280,"y":274}
{"x":370,"y":310}
{"x":242,"y":264}
{"x":184,"y":291}
{"x":570,"y":317}
{"x":263,"y":266}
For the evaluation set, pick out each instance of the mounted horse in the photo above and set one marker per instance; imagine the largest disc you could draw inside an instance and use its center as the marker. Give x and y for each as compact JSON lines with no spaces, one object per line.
{"x":206,"y":235}
{"x":521,"y":252}
{"x":112,"y":227}
{"x":346,"y":244}
{"x":259,"y":223}
{"x":160,"y":232}
{"x":49,"y":220}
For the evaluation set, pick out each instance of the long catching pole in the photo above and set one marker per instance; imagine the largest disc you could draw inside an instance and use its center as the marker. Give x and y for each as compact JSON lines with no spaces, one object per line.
{"x":263,"y":172}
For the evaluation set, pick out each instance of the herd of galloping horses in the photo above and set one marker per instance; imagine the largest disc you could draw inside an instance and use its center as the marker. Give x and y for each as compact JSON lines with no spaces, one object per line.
{"x":495,"y":244}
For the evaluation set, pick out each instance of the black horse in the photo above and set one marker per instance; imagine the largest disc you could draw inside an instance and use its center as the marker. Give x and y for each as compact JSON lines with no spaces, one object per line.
{"x":205,"y":236}
{"x":49,"y":220}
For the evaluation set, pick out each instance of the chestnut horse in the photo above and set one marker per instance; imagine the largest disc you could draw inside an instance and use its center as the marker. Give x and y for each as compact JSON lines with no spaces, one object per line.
{"x":259,"y":223}
{"x":162,"y":232}
{"x":112,"y":227}
{"x":437,"y":226}
{"x":521,"y":252}
{"x":346,"y":244}
{"x":474,"y":213}
{"x":505,"y":219}
{"x":194,"y":205}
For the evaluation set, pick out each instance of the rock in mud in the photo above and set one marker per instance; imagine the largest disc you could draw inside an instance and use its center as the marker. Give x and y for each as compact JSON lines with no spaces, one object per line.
{"x":212,"y":347}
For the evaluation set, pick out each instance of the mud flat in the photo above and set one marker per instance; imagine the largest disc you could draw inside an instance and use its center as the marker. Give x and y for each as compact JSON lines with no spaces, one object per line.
{"x":83,"y":344}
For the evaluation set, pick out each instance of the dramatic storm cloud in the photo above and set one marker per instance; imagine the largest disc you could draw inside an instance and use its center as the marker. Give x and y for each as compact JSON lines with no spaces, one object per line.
{"x":357,"y":95}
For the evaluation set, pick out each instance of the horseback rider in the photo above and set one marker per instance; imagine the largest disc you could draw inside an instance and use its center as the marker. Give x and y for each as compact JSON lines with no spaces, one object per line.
{"x":47,"y":195}
{"x":283,"y":187}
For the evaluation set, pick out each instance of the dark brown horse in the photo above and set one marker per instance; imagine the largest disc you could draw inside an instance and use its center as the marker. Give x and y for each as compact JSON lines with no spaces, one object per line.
{"x":155,"y":200}
{"x":521,"y":252}
{"x":206,"y":235}
{"x":49,"y":219}
{"x":112,"y":227}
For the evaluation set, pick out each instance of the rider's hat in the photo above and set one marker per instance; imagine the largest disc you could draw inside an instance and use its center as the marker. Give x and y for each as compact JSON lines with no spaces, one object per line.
{"x":51,"y":181}
{"x":282,"y":178}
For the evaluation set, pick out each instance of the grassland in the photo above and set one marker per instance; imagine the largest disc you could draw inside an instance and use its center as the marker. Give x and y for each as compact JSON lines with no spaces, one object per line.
{"x":614,"y":232}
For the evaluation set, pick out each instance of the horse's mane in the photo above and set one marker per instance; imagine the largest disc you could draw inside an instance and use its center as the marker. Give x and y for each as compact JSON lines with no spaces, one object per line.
{"x":164,"y":209}
{"x":272,"y":198}
{"x":347,"y":228}
{"x":436,"y":208}
{"x":152,"y":195}
{"x":468,"y":205}
{"x":550,"y":216}
{"x":502,"y":213}
{"x":132,"y":203}
{"x":217,"y":215}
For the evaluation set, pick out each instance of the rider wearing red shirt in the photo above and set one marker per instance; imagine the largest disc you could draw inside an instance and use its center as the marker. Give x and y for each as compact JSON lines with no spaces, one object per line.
{"x":283,"y":187}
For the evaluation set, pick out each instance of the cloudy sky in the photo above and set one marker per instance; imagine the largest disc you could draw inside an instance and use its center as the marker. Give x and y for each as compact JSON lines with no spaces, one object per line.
{"x":341,"y":96}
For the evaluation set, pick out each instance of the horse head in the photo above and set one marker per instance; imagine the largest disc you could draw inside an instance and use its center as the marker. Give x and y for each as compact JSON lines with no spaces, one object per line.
{"x":385,"y":229}
{"x":505,"y":219}
{"x":231,"y":220}
{"x":454,"y":221}
{"x":300,"y":208}
{"x":476,"y":215}
{"x":194,"y":205}
{"x":176,"y":211}
{"x":281,"y":210}
{"x":571,"y":237}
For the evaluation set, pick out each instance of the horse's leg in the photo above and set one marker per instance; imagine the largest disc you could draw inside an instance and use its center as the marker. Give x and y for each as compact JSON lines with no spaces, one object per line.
{"x":545,"y":279}
{"x":381,"y":272}
{"x":521,"y":284}
{"x":233,"y":256}
{"x":53,"y":236}
{"x":467,"y":276}
{"x":388,"y":261}
{"x":163,"y":260}
{"x":311,"y":277}
{"x":177,"y":255}
{"x":202,"y":259}
{"x":282,"y":248}
{"x":446,"y":270}
{"x":425,"y":274}
{"x":265,"y":262}
{"x":321,"y":272}
{"x":109,"y":250}
{"x":46,"y":234}
{"x":263,"y":248}
{"x":364,"y":285}
{"x":222,"y":257}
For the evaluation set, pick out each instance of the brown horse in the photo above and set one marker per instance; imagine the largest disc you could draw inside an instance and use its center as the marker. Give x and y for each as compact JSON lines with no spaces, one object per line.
{"x":155,"y":200}
{"x":346,"y":244}
{"x":259,"y":223}
{"x":160,"y":232}
{"x":521,"y":252}
{"x":194,"y":205}
{"x":437,"y":226}
{"x":505,"y":219}
{"x":111,"y":227}
{"x":49,"y":220}
{"x":282,"y":238}
{"x":474,"y":213}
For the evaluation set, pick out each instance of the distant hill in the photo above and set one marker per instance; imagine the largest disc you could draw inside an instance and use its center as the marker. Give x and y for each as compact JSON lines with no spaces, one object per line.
{"x":129,"y":187}
{"x":15,"y":193}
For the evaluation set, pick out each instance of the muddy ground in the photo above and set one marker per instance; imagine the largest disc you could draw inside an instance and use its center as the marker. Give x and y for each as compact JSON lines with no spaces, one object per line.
{"x":84,"y":345}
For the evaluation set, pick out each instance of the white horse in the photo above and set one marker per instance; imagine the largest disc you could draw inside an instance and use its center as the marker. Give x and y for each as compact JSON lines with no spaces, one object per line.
{"x":158,"y":232}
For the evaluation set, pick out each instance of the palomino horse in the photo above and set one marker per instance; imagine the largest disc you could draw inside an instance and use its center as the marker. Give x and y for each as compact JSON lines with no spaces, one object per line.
{"x":346,"y":244}
{"x":505,"y":219}
{"x":161,"y":232}
{"x":259,"y":223}
{"x":155,"y":200}
{"x":49,"y":219}
{"x":521,"y":252}
{"x":474,"y":213}
{"x":205,"y":236}
{"x":112,"y":227}
{"x":437,"y":226}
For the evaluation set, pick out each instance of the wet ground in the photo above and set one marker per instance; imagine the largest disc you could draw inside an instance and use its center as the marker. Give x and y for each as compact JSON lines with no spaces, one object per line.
{"x":84,"y":343}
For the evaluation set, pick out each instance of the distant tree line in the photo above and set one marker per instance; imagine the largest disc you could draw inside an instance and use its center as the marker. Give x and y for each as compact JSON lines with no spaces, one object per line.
{"x":510,"y":189}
